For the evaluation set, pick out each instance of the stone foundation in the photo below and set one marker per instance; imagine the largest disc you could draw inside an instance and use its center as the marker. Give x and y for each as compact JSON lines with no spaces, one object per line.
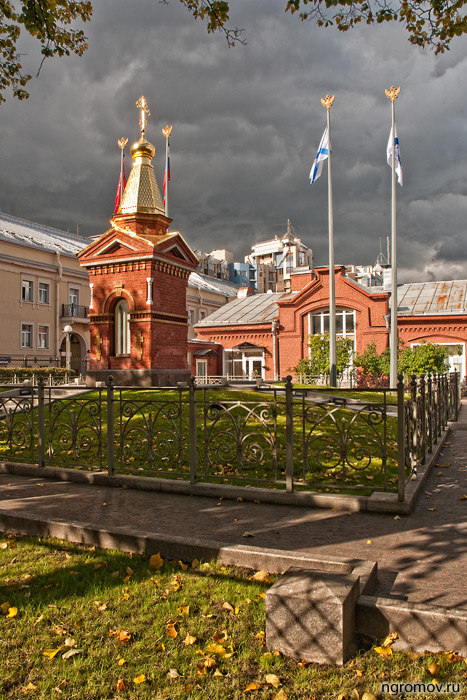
{"x":138,"y":377}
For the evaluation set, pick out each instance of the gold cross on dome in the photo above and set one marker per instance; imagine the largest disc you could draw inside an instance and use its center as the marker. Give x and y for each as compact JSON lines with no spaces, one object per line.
{"x":143,"y":106}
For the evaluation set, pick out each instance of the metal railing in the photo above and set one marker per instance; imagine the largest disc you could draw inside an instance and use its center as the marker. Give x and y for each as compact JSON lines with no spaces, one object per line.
{"x":286,"y":438}
{"x":74,"y":311}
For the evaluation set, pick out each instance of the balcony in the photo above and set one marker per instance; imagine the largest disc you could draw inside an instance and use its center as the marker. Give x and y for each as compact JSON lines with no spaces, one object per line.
{"x":75,"y":311}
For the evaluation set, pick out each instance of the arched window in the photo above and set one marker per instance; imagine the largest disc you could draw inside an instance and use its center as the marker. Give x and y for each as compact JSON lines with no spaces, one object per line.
{"x":122,"y":328}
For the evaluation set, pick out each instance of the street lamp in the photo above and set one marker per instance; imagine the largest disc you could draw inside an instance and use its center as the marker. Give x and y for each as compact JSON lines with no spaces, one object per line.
{"x":68,"y":330}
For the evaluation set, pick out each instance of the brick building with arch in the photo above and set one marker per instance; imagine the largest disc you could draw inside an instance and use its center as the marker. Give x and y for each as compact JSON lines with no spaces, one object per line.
{"x":267,"y":334}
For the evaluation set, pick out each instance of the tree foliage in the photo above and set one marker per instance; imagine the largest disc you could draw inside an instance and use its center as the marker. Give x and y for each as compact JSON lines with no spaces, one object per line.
{"x":429,"y":23}
{"x":318,"y":362}
{"x":48,"y":21}
{"x":420,"y":359}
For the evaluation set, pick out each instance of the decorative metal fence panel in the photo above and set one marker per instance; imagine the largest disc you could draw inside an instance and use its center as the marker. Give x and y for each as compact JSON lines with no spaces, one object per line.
{"x":347,"y":445}
{"x":285,"y":438}
{"x":240,"y":440}
{"x":18,"y":426}
{"x":149,"y":432}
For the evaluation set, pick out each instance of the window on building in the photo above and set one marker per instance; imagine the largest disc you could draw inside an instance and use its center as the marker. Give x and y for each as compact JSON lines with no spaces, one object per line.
{"x":44,"y":293}
{"x":27,"y":290}
{"x":202,"y":314}
{"x":122,"y":328}
{"x":345,"y":323}
{"x":191,"y":316}
{"x":301,"y":259}
{"x":43,"y":337}
{"x":26,"y":335}
{"x":73,"y":296}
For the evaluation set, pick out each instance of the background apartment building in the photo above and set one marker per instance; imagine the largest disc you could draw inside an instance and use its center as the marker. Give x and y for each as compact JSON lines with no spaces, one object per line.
{"x":43,"y":289}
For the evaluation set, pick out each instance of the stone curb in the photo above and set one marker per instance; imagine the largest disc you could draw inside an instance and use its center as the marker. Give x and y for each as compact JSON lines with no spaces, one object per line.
{"x":419,"y":626}
{"x":275,"y":561}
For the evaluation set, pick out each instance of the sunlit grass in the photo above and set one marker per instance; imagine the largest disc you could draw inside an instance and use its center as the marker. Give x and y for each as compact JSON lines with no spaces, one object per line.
{"x":121,"y":615}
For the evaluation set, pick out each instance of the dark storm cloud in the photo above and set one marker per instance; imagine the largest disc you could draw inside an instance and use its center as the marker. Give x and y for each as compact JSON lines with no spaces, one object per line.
{"x":247,"y":123}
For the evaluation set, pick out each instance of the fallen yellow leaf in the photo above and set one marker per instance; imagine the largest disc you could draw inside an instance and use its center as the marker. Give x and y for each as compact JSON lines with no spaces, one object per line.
{"x":72,"y":652}
{"x":121,"y":685}
{"x":121,"y":662}
{"x":384,"y":651}
{"x":29,"y":686}
{"x":390,"y":639}
{"x":220,"y":636}
{"x":171,"y":631}
{"x":4,"y":607}
{"x":50,"y":653}
{"x":273,"y":680}
{"x":216,"y":648}
{"x":209,"y":661}
{"x":227,"y":606}
{"x":173,"y":673}
{"x":156,"y":562}
{"x":281,"y":695}
{"x":139,"y":679}
{"x":433,"y":668}
{"x":195,"y":563}
{"x":183,"y":609}
{"x":217,"y":674}
{"x":369,"y":542}
{"x":184,"y":567}
{"x":12,"y":612}
{"x":123,"y":636}
{"x":262,"y":576}
{"x":189,"y":639}
{"x":160,"y":646}
{"x":251,"y":686}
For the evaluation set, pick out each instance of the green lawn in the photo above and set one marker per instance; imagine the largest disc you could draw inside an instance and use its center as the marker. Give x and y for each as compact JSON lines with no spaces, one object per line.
{"x":91,"y":624}
{"x":235,"y":438}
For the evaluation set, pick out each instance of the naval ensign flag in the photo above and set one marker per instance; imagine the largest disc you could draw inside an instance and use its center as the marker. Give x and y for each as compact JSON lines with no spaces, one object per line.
{"x":323,"y":153}
{"x":397,"y":158}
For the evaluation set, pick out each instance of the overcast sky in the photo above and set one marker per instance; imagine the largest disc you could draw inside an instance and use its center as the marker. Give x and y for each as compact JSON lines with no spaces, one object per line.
{"x":247,"y":124}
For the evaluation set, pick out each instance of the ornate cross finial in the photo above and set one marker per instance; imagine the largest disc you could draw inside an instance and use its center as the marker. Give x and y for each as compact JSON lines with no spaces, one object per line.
{"x":392,"y":93}
{"x":143,"y":106}
{"x":327,"y":101}
{"x":122,"y":142}
{"x":167,"y":130}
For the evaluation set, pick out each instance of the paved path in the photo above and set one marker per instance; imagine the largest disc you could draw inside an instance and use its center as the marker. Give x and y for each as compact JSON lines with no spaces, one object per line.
{"x":422,"y":556}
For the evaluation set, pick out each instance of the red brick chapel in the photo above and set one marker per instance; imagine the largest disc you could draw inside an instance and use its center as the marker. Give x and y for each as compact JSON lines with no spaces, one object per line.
{"x":138,"y":274}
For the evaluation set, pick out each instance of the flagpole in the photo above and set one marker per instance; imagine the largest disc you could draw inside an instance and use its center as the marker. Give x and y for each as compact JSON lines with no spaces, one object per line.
{"x":327,"y":102}
{"x":167,"y":130}
{"x":392,"y":94}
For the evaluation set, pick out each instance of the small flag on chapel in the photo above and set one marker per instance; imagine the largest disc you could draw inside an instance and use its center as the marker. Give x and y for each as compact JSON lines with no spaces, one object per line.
{"x":167,"y":172}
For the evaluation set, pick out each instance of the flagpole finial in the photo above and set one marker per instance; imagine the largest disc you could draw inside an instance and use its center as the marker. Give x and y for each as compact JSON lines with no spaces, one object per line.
{"x":392,"y":93}
{"x":145,"y":113}
{"x":167,"y":130}
{"x":122,"y":142}
{"x":327,"y":101}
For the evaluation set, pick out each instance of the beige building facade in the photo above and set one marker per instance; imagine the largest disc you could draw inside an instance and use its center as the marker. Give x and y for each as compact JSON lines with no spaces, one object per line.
{"x":43,"y":289}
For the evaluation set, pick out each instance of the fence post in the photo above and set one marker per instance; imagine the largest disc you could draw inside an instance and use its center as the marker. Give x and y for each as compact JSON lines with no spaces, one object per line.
{"x":400,"y":438}
{"x":422,"y":386}
{"x":40,"y":421}
{"x":193,"y":433}
{"x":288,"y":434}
{"x":429,"y":414}
{"x":110,"y":426}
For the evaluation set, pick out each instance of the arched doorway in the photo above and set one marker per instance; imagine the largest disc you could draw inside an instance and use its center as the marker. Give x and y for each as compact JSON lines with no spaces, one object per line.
{"x":78,"y":353}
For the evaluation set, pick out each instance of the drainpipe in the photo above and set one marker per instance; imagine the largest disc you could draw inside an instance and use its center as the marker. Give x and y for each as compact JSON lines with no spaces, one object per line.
{"x":57,"y":306}
{"x":274,"y":325}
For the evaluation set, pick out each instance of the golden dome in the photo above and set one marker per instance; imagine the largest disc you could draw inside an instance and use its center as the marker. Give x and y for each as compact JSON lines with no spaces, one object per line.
{"x":142,"y":148}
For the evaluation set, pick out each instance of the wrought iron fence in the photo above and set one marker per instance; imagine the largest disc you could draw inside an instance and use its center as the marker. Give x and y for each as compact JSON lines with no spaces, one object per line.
{"x":285,"y":438}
